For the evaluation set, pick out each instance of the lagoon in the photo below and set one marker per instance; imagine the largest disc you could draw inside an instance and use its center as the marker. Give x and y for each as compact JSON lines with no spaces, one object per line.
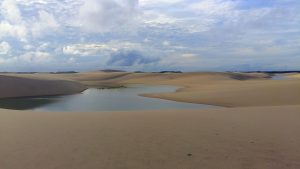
{"x":99,"y":100}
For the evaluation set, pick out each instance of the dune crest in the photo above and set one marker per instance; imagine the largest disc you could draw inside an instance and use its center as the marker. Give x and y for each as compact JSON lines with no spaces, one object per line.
{"x":28,"y":87}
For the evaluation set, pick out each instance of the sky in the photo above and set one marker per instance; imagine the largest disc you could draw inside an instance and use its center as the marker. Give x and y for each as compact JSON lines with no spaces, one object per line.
{"x":149,"y":35}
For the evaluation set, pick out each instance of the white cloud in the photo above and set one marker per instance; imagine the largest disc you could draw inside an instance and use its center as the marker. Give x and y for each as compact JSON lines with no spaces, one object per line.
{"x":212,"y":7}
{"x":32,"y":2}
{"x":71,"y":60}
{"x":146,"y":3}
{"x":18,"y":31}
{"x":12,"y":24}
{"x":166,"y":43}
{"x":98,"y":48}
{"x":153,"y":18}
{"x":189,"y":56}
{"x":10,"y":11}
{"x":46,"y":23}
{"x":85,"y":49}
{"x":174,"y":30}
{"x":106,"y":15}
{"x":27,"y":47}
{"x":36,"y":57}
{"x":4,"y":48}
{"x":32,"y":58}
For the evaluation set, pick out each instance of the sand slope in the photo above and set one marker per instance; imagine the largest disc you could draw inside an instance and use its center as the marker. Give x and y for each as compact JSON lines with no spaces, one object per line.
{"x":243,"y":138}
{"x":239,"y":94}
{"x":23,"y":87}
{"x":223,"y":89}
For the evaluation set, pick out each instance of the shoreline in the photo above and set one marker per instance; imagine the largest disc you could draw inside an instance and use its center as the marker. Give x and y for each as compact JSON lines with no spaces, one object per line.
{"x":217,"y":89}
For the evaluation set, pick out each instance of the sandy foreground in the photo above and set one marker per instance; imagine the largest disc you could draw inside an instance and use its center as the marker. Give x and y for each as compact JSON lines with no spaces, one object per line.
{"x":247,"y":138}
{"x":262,"y":131}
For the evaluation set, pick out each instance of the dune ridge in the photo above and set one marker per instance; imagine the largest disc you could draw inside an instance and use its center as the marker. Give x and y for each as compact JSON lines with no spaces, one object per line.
{"x":213,"y":88}
{"x":11,"y":86}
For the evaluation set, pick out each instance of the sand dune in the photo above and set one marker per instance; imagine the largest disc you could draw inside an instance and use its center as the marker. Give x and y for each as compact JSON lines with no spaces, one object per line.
{"x":243,"y":138}
{"x":239,"y":94}
{"x":223,"y":89}
{"x":228,"y":138}
{"x":24,"y":87}
{"x":294,"y":75}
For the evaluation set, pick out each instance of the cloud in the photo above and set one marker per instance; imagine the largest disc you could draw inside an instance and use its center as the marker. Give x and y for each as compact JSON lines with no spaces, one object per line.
{"x":154,"y":18}
{"x":28,"y":59}
{"x":212,"y":7}
{"x":36,"y":57}
{"x":10,"y":11}
{"x":166,"y":43}
{"x":9,"y":30}
{"x":147,"y":3}
{"x":91,"y":49}
{"x":4,"y":48}
{"x":106,"y":15}
{"x":14,"y":24}
{"x":224,"y":33}
{"x":130,"y":58}
{"x":85,"y":49}
{"x":46,"y":23}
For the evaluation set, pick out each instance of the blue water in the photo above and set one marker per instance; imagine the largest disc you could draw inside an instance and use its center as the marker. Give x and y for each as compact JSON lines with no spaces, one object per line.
{"x":93,"y":100}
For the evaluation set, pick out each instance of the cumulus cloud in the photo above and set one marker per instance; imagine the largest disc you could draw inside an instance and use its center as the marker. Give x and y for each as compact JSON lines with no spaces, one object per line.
{"x":90,"y":49}
{"x":31,"y":59}
{"x":130,"y":58}
{"x":4,"y":48}
{"x":45,"y":23}
{"x":36,"y":57}
{"x":13,"y":24}
{"x":9,"y":30}
{"x":11,"y":11}
{"x":223,"y":32}
{"x":105,"y":15}
{"x":85,"y":49}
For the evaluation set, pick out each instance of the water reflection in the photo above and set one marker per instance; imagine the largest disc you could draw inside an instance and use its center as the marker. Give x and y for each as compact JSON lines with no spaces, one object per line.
{"x":25,"y":103}
{"x":93,"y":100}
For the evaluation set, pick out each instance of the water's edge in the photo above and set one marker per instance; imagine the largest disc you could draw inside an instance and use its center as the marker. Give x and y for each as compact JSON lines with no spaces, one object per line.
{"x":97,"y":100}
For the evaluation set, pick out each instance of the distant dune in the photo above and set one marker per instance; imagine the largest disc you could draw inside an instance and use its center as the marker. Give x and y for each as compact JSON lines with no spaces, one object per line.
{"x":223,"y":89}
{"x":214,"y":88}
{"x":25,"y":87}
{"x":294,"y":75}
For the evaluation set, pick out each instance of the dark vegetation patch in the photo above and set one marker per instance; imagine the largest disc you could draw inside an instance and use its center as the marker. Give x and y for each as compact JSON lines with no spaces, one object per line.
{"x":241,"y":76}
{"x":274,"y":72}
{"x":112,"y":70}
